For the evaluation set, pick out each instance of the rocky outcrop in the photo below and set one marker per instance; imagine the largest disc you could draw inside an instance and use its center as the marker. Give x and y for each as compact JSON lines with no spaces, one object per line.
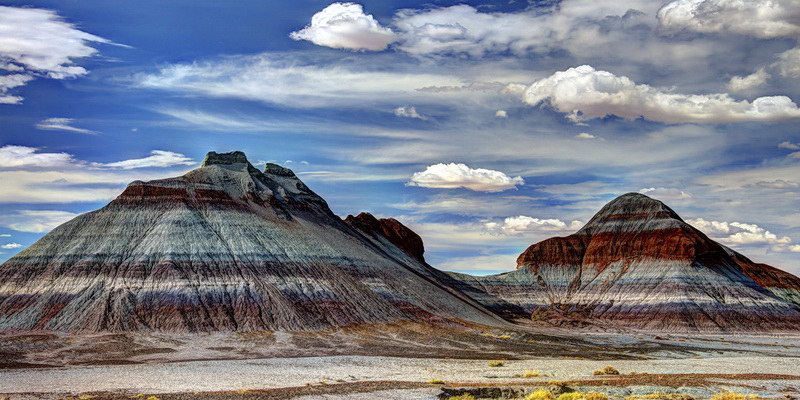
{"x":390,"y":229}
{"x":224,"y":247}
{"x":638,"y":264}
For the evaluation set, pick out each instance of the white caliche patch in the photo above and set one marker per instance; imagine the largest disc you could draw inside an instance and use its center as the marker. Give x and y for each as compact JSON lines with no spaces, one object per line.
{"x":763,"y":19}
{"x":22,"y":156}
{"x":741,"y":234}
{"x":11,"y":245}
{"x":585,"y":93}
{"x":61,"y":124}
{"x":745,"y":83}
{"x":39,"y":43}
{"x":522,"y":224}
{"x":452,"y":175}
{"x":36,"y":221}
{"x":409,"y":112}
{"x":157,"y":158}
{"x":345,"y":26}
{"x":663,"y":193}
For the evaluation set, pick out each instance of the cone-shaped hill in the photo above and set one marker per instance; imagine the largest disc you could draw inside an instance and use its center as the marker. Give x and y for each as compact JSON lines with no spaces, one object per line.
{"x":637,"y":264}
{"x":224,"y":247}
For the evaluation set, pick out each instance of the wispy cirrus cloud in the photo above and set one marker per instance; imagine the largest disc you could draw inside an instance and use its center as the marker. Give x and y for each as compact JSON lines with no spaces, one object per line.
{"x":36,"y":221}
{"x":61,"y":124}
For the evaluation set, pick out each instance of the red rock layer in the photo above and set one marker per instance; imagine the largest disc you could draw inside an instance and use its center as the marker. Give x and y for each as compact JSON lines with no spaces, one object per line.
{"x":390,"y":228}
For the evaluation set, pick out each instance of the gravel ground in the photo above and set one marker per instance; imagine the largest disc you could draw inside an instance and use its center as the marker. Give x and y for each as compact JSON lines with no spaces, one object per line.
{"x":199,"y":376}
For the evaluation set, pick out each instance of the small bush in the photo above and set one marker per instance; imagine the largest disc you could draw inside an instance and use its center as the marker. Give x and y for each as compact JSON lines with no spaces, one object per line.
{"x":541,"y":395}
{"x":595,"y":396}
{"x":465,"y":396}
{"x":734,"y":396}
{"x":531,"y":374}
{"x":609,"y":370}
{"x":496,"y":363}
{"x":436,"y":382}
{"x":153,"y":398}
{"x":571,"y":396}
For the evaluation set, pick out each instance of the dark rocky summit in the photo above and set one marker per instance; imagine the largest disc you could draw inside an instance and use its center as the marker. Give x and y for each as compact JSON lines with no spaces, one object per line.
{"x":224,"y":247}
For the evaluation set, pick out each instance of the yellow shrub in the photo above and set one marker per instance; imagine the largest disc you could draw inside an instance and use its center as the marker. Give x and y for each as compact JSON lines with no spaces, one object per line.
{"x":436,"y":382}
{"x":531,"y":374}
{"x":496,"y":363}
{"x":86,"y":396}
{"x":571,"y":396}
{"x":595,"y":396}
{"x":464,"y":396}
{"x":734,"y":396}
{"x":541,"y":395}
{"x":153,"y":398}
{"x":609,"y":370}
{"x":661,"y":396}
{"x":504,"y":337}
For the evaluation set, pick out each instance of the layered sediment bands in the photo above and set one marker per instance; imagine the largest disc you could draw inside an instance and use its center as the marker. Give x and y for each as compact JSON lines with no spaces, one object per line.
{"x":637,"y":264}
{"x":224,"y":247}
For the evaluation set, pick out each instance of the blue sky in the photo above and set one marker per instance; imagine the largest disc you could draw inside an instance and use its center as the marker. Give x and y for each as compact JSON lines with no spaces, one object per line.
{"x":485,"y":126}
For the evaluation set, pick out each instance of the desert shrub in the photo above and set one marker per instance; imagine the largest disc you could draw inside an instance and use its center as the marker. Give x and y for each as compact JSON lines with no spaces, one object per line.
{"x":496,"y":363}
{"x":595,"y":396}
{"x":734,"y":396}
{"x":571,"y":396}
{"x":541,"y":395}
{"x":609,"y":370}
{"x":153,"y":398}
{"x":436,"y":382}
{"x":465,"y":396}
{"x":506,"y":337}
{"x":86,"y":396}
{"x":531,"y":374}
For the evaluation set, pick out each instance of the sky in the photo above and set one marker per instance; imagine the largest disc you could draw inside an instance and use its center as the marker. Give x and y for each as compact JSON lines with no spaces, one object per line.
{"x":483,"y":126}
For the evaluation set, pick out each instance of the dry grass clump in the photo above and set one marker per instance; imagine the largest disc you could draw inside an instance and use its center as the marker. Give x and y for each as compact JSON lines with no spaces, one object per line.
{"x":571,"y":396}
{"x":735,"y":396}
{"x":496,"y":363}
{"x":531,"y":374}
{"x":541,"y":395}
{"x":609,"y":370}
{"x":583,"y":396}
{"x":505,"y":337}
{"x":595,"y":396}
{"x":436,"y":382}
{"x":465,"y":396}
{"x":660,"y":396}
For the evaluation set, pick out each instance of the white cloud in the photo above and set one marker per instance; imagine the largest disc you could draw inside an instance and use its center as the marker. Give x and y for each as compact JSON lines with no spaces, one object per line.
{"x":741,"y":234}
{"x":776,"y":184}
{"x":584,"y":135}
{"x":4,"y":235}
{"x":763,"y":19}
{"x":452,"y":175}
{"x":744,"y":83}
{"x":345,"y":26}
{"x":158,"y":158}
{"x":36,"y":221}
{"x":501,"y":114}
{"x":22,"y":156}
{"x":523,"y":224}
{"x":11,"y":246}
{"x":795,"y":248}
{"x":61,"y":124}
{"x":585,"y":93}
{"x":788,"y":63}
{"x":663,"y":193}
{"x":480,"y":264}
{"x":409,"y":112}
{"x":39,"y":43}
{"x":789,"y":145}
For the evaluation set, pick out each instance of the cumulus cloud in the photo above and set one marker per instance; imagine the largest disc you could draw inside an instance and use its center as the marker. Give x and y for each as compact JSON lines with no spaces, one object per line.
{"x":409,"y":112}
{"x":585,"y":93}
{"x":11,"y":245}
{"x":788,"y":63}
{"x":763,"y":19}
{"x":789,"y":145}
{"x":39,"y":43}
{"x":523,"y":224}
{"x":501,"y":114}
{"x":744,"y":83}
{"x":157,"y":158}
{"x":741,"y":234}
{"x":663,"y":193}
{"x":22,"y":156}
{"x":36,"y":221}
{"x":345,"y":26}
{"x":61,"y":124}
{"x":584,"y":135}
{"x":452,"y":175}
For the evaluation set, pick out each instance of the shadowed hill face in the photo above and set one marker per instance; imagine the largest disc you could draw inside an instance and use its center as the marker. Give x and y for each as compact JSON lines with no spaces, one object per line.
{"x":638,"y":264}
{"x":224,"y":247}
{"x":391,"y":229}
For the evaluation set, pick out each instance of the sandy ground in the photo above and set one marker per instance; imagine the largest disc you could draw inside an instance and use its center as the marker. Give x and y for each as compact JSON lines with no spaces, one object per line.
{"x":231,"y":375}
